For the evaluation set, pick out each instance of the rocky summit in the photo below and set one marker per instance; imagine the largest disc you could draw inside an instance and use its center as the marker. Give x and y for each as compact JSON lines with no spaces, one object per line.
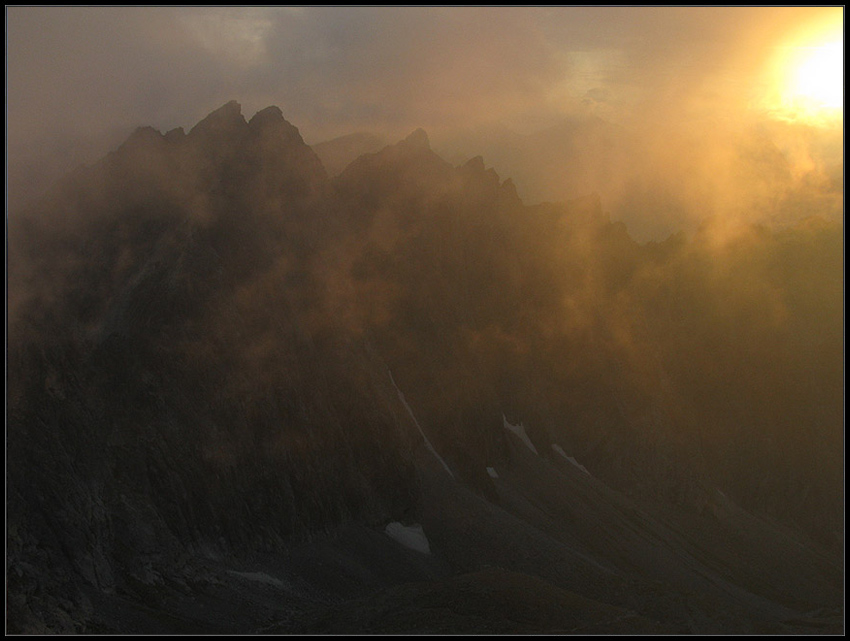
{"x":247,"y":396}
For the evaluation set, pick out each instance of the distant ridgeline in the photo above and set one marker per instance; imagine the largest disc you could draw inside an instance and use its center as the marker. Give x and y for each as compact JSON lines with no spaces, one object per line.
{"x":213,"y":346}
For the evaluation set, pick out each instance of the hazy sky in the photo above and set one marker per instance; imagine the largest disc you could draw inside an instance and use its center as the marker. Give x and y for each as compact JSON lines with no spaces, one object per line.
{"x":84,"y":69}
{"x":77,"y":73}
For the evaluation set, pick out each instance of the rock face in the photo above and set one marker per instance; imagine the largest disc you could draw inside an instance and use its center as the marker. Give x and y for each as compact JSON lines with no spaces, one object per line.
{"x":229,"y":372}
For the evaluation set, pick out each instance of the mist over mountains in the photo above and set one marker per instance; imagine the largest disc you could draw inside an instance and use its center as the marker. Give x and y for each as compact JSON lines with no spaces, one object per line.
{"x":657,"y":178}
{"x":234,"y":360}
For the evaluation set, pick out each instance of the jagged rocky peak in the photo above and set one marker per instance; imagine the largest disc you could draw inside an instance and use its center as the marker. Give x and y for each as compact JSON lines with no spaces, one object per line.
{"x":141,"y":138}
{"x":143,"y":134}
{"x":418,"y":140}
{"x":224,"y":119}
{"x":475,"y":172}
{"x":475,"y":167}
{"x":176,"y":134}
{"x":231,"y":111}
{"x":508,"y":191}
{"x":475,"y":164}
{"x":270,"y":115}
{"x":412,"y":157}
{"x":336,"y":154}
{"x":271,"y":120}
{"x":147,"y":138}
{"x":267,"y":144}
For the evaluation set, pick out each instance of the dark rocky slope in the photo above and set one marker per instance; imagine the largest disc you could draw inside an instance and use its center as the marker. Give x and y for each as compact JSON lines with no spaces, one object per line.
{"x":228,"y":373}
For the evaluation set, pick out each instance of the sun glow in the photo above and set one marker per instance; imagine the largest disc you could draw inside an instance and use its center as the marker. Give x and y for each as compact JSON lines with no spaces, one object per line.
{"x":818,"y":80}
{"x":809,"y":80}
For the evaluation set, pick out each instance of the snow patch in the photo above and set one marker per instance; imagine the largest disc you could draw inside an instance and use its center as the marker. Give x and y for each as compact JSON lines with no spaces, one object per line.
{"x":492,"y":472}
{"x":410,"y":536}
{"x":561,"y":451}
{"x":419,"y":427}
{"x":519,"y":430}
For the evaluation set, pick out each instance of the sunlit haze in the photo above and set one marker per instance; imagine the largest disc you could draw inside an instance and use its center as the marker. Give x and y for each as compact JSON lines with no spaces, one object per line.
{"x":425,"y":320}
{"x":685,"y":92}
{"x":808,"y":75}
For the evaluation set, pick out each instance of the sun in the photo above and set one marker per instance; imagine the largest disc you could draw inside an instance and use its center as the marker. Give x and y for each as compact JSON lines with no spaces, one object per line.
{"x":816,"y":82}
{"x":803,"y":78}
{"x":808,"y":79}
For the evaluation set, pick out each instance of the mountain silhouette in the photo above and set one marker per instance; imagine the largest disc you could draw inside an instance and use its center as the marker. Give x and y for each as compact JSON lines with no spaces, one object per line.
{"x":337,"y":153}
{"x":248,"y":394}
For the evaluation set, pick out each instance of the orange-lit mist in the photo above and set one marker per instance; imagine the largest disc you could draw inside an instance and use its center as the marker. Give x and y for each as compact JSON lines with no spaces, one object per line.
{"x":805,"y":77}
{"x":675,"y":114}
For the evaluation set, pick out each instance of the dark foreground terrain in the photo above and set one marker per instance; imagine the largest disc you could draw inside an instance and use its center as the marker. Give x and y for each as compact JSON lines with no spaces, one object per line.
{"x":556,"y":552}
{"x":244,"y":397}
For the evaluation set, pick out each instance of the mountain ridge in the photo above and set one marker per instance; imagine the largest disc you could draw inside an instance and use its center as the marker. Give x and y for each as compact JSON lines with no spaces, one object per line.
{"x":223,"y":352}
